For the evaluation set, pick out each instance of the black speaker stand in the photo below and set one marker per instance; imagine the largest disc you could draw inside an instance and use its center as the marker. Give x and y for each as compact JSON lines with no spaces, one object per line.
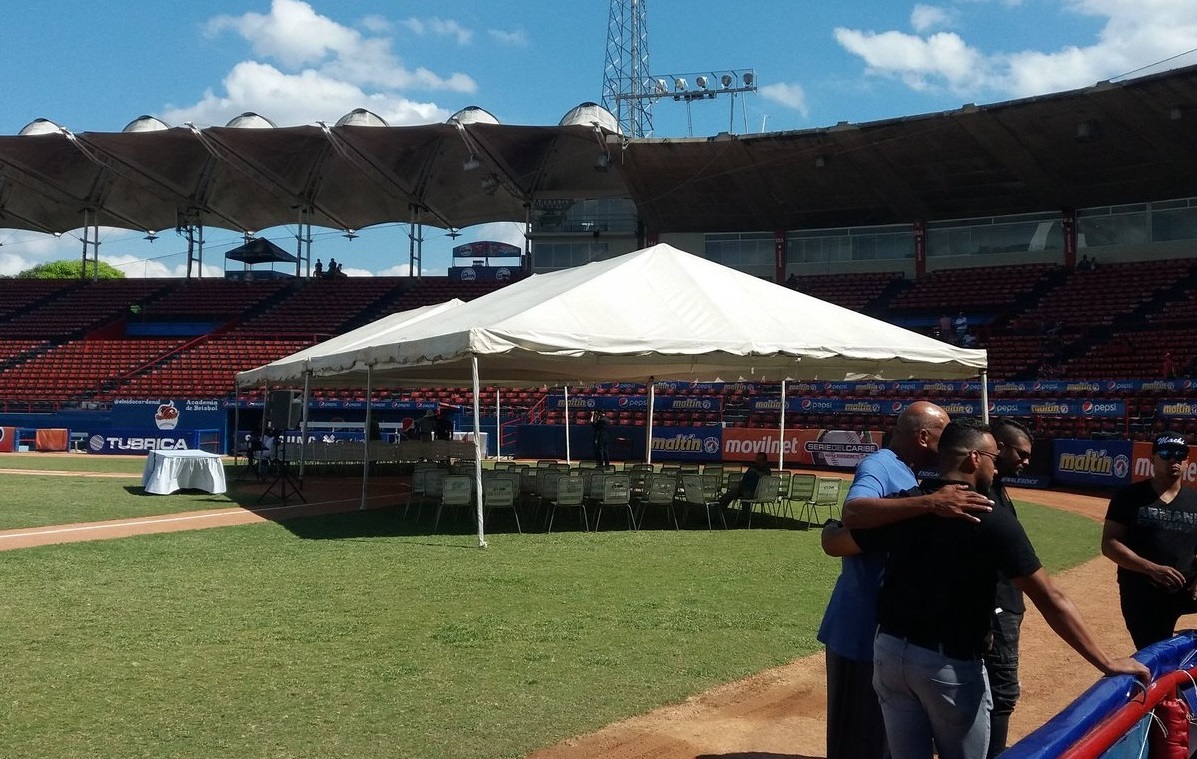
{"x":287,"y":487}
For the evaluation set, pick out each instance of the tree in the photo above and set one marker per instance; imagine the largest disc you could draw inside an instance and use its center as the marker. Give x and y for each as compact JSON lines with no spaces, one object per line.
{"x":69,"y":270}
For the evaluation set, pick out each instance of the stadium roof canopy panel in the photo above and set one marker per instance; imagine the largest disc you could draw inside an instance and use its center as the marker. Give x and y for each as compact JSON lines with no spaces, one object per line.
{"x":1110,"y":144}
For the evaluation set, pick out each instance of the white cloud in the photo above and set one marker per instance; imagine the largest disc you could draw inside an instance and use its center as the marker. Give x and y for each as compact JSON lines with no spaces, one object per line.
{"x":509,"y":232}
{"x":375,"y":23}
{"x":926,"y":17}
{"x":302,"y":98}
{"x":439,"y":27}
{"x":1134,"y":35}
{"x":516,"y":37}
{"x":136,"y":267}
{"x":313,"y":68}
{"x":789,"y":95}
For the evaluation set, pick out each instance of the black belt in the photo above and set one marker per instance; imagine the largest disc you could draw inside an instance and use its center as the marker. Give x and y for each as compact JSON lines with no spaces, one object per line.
{"x":950,"y":650}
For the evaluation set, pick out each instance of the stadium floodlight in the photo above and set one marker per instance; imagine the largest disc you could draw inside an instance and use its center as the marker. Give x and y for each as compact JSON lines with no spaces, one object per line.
{"x":726,"y":80}
{"x":749,"y":78}
{"x":150,"y":235}
{"x":701,"y":81}
{"x":350,"y":234}
{"x":662,"y":87}
{"x":680,"y":83}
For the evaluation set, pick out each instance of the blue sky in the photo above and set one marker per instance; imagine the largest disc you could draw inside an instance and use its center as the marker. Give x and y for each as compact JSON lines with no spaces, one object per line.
{"x":94,"y":66}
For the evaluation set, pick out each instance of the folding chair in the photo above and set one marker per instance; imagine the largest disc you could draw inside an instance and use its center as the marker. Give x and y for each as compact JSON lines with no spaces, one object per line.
{"x":457,"y":490}
{"x":660,"y":491}
{"x":569,"y":496}
{"x":694,"y":494}
{"x":827,"y":493}
{"x":434,"y":480}
{"x":766,"y":493}
{"x":617,"y":491}
{"x":802,"y":490}
{"x":498,"y":492}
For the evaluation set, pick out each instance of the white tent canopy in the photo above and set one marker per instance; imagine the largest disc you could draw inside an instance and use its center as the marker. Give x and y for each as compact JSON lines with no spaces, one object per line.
{"x":657,"y":313}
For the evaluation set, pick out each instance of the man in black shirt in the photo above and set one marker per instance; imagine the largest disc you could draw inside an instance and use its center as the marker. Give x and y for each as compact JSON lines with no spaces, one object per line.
{"x":1001,"y":660}
{"x":936,"y":603}
{"x":1151,"y":534}
{"x":600,"y":427}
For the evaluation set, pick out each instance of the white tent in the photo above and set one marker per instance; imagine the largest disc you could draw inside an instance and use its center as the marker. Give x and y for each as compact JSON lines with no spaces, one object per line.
{"x":657,"y":313}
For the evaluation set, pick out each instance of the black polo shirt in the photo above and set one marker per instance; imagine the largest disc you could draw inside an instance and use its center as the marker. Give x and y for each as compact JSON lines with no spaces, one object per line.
{"x":941,"y":574}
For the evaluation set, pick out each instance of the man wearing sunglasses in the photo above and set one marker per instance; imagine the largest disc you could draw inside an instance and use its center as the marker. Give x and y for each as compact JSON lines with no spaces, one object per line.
{"x":1151,"y":534}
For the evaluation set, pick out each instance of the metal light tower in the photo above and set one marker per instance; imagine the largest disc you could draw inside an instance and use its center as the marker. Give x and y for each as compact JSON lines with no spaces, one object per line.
{"x":626,"y":81}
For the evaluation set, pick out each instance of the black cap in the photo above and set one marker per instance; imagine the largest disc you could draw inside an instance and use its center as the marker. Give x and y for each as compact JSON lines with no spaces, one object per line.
{"x":1169,"y":440}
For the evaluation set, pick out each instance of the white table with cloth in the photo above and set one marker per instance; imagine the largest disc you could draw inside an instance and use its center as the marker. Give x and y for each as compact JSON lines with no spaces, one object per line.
{"x":168,"y":471}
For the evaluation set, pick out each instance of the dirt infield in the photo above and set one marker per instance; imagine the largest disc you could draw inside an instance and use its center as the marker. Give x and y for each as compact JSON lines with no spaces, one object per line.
{"x":779,"y":713}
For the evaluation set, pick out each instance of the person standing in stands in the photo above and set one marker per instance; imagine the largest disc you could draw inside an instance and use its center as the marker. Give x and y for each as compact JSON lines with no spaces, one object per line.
{"x":319,"y":270}
{"x":1151,"y":534}
{"x":854,"y":725}
{"x":332,"y":268}
{"x":600,"y":427}
{"x":1001,"y":660}
{"x":935,"y":606}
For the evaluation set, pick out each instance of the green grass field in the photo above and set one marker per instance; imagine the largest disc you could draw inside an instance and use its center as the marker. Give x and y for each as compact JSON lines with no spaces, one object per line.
{"x":357,"y":635}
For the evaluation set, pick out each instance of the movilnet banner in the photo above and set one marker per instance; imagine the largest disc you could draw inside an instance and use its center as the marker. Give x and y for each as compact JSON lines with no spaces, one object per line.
{"x":8,"y":439}
{"x":169,"y":414}
{"x":812,"y":447}
{"x":1101,"y":463}
{"x":1141,"y":466}
{"x":687,"y":444}
{"x":134,"y":441}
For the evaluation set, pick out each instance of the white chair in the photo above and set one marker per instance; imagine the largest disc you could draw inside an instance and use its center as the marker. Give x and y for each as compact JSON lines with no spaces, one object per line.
{"x":827,"y":495}
{"x":694,"y":494}
{"x":801,"y":491}
{"x":498,"y":492}
{"x":457,"y":490}
{"x":766,"y":494}
{"x":660,"y":491}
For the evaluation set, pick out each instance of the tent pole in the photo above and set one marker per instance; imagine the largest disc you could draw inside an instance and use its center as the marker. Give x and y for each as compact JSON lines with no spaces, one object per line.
{"x":303,"y":426}
{"x":781,"y":430}
{"x":985,"y":396}
{"x":366,"y":430}
{"x":648,"y":439}
{"x":477,"y":456}
{"x":498,"y":426}
{"x":565,"y":392}
{"x":265,"y":405}
{"x":236,"y":419}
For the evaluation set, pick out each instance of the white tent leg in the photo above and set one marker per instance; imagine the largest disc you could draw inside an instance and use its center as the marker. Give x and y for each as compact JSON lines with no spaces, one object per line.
{"x":366,"y":430}
{"x":565,"y":390}
{"x":236,"y":420}
{"x":477,"y":456}
{"x":648,"y":435}
{"x":781,"y":430}
{"x":985,"y":396}
{"x":303,"y":427}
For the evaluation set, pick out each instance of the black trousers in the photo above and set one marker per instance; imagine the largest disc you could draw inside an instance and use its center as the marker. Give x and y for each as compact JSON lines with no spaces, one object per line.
{"x":855,"y":728}
{"x":1151,"y":614}
{"x":1001,"y":664}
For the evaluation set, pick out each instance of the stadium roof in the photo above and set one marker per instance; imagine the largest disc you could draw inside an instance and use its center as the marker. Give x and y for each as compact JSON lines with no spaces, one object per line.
{"x":1109,"y":144}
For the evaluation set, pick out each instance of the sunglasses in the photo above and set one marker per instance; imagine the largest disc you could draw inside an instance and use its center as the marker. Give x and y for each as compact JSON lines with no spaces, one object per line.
{"x":1172,"y":454}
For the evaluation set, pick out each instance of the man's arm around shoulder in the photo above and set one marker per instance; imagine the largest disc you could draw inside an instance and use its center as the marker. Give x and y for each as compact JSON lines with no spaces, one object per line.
{"x":953,"y":501}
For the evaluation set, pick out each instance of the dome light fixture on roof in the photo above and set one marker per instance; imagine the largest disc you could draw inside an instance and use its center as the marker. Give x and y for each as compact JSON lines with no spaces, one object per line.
{"x":251,"y":120}
{"x":472,"y":114}
{"x":362,"y":117}
{"x":39,"y":126}
{"x":590,"y":114}
{"x":146,"y":123}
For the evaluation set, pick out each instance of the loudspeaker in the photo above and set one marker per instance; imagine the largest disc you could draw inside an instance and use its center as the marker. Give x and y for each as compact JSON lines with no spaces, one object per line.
{"x":284,"y":409}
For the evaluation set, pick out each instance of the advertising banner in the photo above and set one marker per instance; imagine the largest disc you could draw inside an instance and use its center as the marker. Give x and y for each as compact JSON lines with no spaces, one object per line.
{"x":168,"y":414}
{"x":401,"y":406}
{"x":634,"y":403}
{"x":1073,"y":408}
{"x":1176,"y":409}
{"x":1101,"y":463}
{"x":687,"y":444}
{"x":133,"y":441}
{"x":481,"y":273}
{"x":1141,"y":467}
{"x":828,"y":447}
{"x":8,"y":439}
